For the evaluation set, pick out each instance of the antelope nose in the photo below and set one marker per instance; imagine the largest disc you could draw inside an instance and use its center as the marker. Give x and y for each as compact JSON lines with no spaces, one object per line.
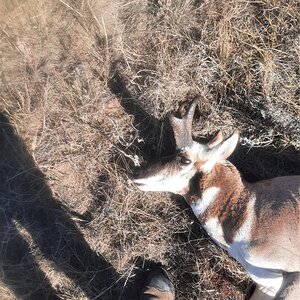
{"x":135,"y":174}
{"x":137,"y":177}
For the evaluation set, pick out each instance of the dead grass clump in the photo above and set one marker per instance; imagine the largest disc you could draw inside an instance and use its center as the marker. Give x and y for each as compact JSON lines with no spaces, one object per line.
{"x":254,"y":81}
{"x":162,"y":62}
{"x":86,"y":85}
{"x":235,"y":52}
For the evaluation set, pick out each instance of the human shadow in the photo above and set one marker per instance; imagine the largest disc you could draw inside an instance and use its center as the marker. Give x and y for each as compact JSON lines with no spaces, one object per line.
{"x":27,"y":204}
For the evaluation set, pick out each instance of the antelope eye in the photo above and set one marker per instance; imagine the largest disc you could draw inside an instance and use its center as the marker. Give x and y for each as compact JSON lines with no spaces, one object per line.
{"x":183,"y":160}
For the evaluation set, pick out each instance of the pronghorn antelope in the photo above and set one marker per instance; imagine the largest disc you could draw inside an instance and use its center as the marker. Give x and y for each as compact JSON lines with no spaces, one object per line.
{"x":257,"y":223}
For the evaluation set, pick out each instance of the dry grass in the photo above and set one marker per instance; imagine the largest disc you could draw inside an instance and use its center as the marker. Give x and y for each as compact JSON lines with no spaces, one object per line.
{"x":84,"y":88}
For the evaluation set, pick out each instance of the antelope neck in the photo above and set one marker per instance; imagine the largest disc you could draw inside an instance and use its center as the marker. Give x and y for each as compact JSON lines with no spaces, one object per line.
{"x":229,"y":204}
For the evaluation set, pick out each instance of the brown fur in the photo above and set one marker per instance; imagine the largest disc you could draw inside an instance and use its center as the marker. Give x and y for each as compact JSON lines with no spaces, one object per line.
{"x":231,"y":203}
{"x":273,"y":233}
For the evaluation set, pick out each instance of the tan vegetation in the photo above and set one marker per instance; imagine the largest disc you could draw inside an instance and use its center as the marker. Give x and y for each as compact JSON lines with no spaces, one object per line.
{"x":84,"y":89}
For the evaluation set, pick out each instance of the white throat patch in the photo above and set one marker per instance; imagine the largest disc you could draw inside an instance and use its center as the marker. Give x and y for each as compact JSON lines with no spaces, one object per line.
{"x":208,"y":196}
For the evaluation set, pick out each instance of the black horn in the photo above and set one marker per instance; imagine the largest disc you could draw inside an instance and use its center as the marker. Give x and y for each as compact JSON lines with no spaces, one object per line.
{"x":182,"y":127}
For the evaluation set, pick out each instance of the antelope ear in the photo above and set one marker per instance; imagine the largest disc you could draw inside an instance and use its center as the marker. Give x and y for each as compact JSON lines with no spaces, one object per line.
{"x":224,"y":149}
{"x":216,"y":140}
{"x":221,"y":151}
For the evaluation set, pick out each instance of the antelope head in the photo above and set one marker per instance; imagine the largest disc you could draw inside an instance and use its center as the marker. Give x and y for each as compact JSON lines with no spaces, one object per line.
{"x":174,"y":173}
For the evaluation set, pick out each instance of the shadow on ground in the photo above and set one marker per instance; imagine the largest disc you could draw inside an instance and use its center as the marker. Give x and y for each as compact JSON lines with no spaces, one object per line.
{"x":26,"y":202}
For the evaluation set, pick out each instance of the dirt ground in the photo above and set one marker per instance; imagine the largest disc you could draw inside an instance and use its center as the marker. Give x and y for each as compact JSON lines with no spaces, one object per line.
{"x":85,"y":89}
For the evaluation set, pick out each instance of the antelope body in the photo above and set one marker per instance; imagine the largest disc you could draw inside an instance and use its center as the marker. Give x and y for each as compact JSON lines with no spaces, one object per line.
{"x":257,"y":223}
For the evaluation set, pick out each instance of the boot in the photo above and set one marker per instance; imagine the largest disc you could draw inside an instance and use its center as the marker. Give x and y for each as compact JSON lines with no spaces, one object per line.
{"x":157,"y":286}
